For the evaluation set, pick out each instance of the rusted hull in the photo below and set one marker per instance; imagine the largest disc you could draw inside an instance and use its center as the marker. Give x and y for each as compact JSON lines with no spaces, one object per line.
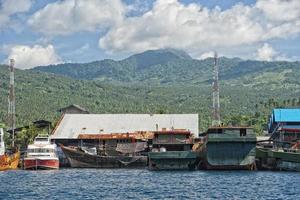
{"x":8,"y":162}
{"x":79,"y":159}
{"x":36,"y":164}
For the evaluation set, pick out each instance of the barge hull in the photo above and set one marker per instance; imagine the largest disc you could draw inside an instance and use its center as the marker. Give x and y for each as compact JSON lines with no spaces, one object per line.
{"x":230,"y":156}
{"x":173,"y":160}
{"x":270,"y":159}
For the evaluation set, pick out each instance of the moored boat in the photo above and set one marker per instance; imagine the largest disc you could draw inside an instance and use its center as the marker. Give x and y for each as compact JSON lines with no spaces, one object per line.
{"x":81,"y":158}
{"x":284,"y":152}
{"x":119,"y":150}
{"x":8,"y":159}
{"x":172,"y":150}
{"x":41,"y":155}
{"x":229,"y":148}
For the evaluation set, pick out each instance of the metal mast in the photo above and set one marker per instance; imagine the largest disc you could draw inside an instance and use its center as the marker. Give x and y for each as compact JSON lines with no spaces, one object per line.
{"x":216,"y":120}
{"x":12,"y":101}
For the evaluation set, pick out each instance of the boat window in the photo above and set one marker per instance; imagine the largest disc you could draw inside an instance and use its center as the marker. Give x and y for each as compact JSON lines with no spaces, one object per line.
{"x":243,"y":132}
{"x":41,"y":139}
{"x":40,"y":150}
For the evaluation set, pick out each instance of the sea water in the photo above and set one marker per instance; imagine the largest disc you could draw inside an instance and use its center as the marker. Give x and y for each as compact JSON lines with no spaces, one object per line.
{"x":143,"y":184}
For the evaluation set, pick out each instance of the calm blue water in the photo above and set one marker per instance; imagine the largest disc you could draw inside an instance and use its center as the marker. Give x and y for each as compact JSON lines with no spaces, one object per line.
{"x":143,"y":184}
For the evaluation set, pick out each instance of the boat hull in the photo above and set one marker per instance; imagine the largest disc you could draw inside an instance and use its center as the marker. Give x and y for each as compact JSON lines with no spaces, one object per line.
{"x":229,"y":156}
{"x":79,"y":159}
{"x":9,"y":162}
{"x":173,"y":160}
{"x":270,"y":159}
{"x":36,"y":163}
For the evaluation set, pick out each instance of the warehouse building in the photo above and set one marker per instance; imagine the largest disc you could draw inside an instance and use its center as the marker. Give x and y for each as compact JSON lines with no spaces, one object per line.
{"x":71,"y":126}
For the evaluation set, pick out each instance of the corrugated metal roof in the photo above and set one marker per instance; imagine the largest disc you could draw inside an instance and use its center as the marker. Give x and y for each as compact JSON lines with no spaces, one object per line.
{"x":286,"y":115}
{"x":71,"y":125}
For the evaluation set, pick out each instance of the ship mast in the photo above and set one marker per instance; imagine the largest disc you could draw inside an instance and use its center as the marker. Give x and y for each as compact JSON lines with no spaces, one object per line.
{"x":12,"y":101}
{"x":216,"y":119}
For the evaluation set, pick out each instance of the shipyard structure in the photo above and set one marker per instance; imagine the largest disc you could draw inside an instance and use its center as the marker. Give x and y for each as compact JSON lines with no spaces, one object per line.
{"x":116,"y":140}
{"x":282,"y":150}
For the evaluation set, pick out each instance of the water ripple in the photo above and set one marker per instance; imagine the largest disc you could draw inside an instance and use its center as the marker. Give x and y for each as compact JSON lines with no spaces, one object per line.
{"x":143,"y":184}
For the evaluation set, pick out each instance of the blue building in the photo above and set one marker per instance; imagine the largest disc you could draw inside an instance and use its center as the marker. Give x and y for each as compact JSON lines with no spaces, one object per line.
{"x":284,"y":126}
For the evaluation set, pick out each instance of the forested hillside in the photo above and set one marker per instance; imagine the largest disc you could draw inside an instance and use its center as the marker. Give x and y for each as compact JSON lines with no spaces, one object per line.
{"x":169,"y":67}
{"x":138,"y":84}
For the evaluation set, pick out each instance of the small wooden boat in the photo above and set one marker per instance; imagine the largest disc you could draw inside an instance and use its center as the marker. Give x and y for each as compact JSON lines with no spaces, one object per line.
{"x":83,"y":158}
{"x":8,"y":160}
{"x":41,"y":155}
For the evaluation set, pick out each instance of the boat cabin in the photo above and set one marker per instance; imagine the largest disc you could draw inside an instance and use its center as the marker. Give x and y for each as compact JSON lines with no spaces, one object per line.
{"x":114,"y":144}
{"x":173,"y":140}
{"x":41,"y":147}
{"x":232,"y":131}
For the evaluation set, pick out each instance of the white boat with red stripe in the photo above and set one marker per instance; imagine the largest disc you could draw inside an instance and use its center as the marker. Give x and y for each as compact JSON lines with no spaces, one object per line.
{"x":41,"y":155}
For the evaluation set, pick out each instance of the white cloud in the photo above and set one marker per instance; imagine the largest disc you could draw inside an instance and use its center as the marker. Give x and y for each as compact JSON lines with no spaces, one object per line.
{"x":27,"y":57}
{"x":209,"y":54}
{"x":280,"y":10}
{"x":266,"y":52}
{"x":194,"y":28}
{"x":69,"y":16}
{"x":11,"y":7}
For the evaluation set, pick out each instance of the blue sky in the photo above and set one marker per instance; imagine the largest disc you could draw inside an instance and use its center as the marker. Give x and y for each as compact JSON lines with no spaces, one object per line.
{"x":42,"y":32}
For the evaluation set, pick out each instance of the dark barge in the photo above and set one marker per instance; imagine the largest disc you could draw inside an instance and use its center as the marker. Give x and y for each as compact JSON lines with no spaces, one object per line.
{"x":229,"y":148}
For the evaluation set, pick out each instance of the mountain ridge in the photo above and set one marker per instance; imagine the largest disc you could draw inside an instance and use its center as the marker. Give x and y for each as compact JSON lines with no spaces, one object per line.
{"x":166,"y":66}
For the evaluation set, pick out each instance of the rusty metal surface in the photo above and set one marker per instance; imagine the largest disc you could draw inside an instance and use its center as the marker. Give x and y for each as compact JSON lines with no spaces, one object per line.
{"x":173,"y":132}
{"x":108,"y":136}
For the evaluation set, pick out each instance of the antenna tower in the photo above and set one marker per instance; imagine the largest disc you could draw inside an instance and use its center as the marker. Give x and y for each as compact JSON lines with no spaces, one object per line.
{"x":12,"y":101}
{"x":216,"y":119}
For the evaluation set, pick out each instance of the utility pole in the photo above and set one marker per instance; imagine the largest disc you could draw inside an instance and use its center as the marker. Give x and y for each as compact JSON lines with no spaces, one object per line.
{"x":12,"y":101}
{"x":216,"y":119}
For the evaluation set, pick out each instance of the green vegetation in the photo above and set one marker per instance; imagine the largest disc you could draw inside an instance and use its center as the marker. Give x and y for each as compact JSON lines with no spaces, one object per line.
{"x":155,"y":82}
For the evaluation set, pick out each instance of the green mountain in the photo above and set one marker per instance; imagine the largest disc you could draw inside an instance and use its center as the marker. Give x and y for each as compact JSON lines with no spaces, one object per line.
{"x":164,"y":81}
{"x":169,"y":67}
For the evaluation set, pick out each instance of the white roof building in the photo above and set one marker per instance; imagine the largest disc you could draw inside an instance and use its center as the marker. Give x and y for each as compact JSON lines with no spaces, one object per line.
{"x":71,"y":125}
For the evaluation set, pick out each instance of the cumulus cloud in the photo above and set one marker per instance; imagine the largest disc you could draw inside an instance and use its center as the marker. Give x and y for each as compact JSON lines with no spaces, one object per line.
{"x":27,"y":57}
{"x":10,"y":7}
{"x":69,"y":16}
{"x":280,"y":10}
{"x":192,"y":27}
{"x":266,"y":52}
